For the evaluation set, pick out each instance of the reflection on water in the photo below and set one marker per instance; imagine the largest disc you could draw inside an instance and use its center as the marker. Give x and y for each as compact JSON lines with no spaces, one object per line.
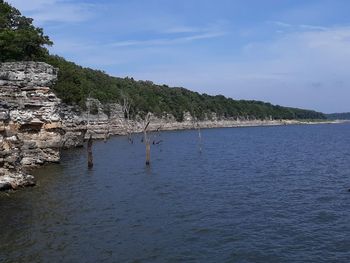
{"x":275,"y":194}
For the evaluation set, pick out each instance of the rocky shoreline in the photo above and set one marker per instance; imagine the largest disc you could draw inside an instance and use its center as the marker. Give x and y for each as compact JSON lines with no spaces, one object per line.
{"x":35,"y":125}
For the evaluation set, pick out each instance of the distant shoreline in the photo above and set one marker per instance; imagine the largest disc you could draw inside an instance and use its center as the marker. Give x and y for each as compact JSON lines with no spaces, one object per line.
{"x":187,"y":125}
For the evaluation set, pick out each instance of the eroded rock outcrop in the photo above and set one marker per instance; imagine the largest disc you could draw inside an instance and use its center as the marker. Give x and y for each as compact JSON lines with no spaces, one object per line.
{"x":73,"y":125}
{"x":104,"y":120}
{"x":30,"y":124}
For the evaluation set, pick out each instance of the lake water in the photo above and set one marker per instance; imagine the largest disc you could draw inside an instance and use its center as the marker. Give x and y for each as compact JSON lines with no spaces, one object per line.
{"x":274,"y":194}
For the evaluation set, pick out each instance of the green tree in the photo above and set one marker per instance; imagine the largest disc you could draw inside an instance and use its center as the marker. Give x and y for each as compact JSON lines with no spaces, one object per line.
{"x":19,"y":38}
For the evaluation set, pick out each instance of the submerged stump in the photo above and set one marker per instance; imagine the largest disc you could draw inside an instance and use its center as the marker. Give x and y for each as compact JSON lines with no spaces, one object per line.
{"x":148,"y":153}
{"x":89,"y":150}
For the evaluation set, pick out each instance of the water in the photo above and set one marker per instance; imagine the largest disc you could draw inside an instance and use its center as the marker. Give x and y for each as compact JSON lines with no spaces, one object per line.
{"x":276,"y":194}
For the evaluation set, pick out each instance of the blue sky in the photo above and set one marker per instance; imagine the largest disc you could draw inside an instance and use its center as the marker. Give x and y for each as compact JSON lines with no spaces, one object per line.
{"x":288,"y":52}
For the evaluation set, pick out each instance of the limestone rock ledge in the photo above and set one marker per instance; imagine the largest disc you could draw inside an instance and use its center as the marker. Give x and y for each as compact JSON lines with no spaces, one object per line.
{"x":30,"y":124}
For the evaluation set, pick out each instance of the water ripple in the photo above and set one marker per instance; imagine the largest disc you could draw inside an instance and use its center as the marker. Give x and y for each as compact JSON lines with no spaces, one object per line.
{"x":276,"y":194}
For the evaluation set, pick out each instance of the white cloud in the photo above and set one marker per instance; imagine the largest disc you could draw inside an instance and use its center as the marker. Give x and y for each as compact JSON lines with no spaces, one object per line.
{"x":279,"y":23}
{"x":44,"y":11}
{"x":311,"y":27}
{"x":297,"y":27}
{"x":168,"y":41}
{"x":182,"y":29}
{"x":178,"y":35}
{"x":31,"y":5}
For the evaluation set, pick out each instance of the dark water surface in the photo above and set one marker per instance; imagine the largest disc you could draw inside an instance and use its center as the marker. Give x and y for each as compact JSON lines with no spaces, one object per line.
{"x":276,"y":194}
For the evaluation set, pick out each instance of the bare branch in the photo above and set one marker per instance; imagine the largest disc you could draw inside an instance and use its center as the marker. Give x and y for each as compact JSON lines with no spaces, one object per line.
{"x":145,"y":129}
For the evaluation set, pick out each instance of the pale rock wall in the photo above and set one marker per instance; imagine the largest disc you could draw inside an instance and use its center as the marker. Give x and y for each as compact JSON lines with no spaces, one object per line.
{"x":74,"y":126}
{"x":100,"y":125}
{"x":30,"y":124}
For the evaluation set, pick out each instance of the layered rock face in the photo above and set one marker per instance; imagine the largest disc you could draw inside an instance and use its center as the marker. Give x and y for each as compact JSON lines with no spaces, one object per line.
{"x":103,"y":121}
{"x":30,"y":124}
{"x":73,"y":125}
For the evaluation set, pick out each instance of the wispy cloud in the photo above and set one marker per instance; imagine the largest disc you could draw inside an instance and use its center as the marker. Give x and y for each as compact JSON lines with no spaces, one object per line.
{"x":44,"y":11}
{"x":33,"y":5}
{"x":311,"y":27}
{"x":297,"y":26}
{"x":168,"y":41}
{"x":279,"y":23}
{"x":182,"y":29}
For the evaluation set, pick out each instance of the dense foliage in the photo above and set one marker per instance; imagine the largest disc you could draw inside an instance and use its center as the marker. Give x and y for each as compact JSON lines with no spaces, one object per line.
{"x":75,"y":84}
{"x":19,"y":39}
{"x":338,"y":116}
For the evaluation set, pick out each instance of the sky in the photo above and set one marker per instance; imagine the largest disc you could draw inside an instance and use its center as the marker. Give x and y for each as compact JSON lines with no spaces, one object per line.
{"x":287,"y":52}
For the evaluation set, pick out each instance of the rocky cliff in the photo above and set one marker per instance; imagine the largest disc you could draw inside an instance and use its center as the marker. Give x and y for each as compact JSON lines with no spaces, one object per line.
{"x":30,"y":125}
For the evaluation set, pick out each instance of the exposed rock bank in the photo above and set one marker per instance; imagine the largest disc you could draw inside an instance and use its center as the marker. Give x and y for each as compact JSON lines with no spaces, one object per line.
{"x":35,"y":125}
{"x":30,"y":126}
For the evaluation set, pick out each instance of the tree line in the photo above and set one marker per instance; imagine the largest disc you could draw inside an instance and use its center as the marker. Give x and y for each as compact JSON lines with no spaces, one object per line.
{"x":338,"y":116}
{"x":21,"y":40}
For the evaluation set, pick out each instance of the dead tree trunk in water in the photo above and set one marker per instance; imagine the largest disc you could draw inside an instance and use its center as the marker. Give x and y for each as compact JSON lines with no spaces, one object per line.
{"x":106,"y":135}
{"x":147,"y":140}
{"x":199,"y":137}
{"x":197,"y":126}
{"x":89,"y":150}
{"x":148,"y":153}
{"x":126,"y":106}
